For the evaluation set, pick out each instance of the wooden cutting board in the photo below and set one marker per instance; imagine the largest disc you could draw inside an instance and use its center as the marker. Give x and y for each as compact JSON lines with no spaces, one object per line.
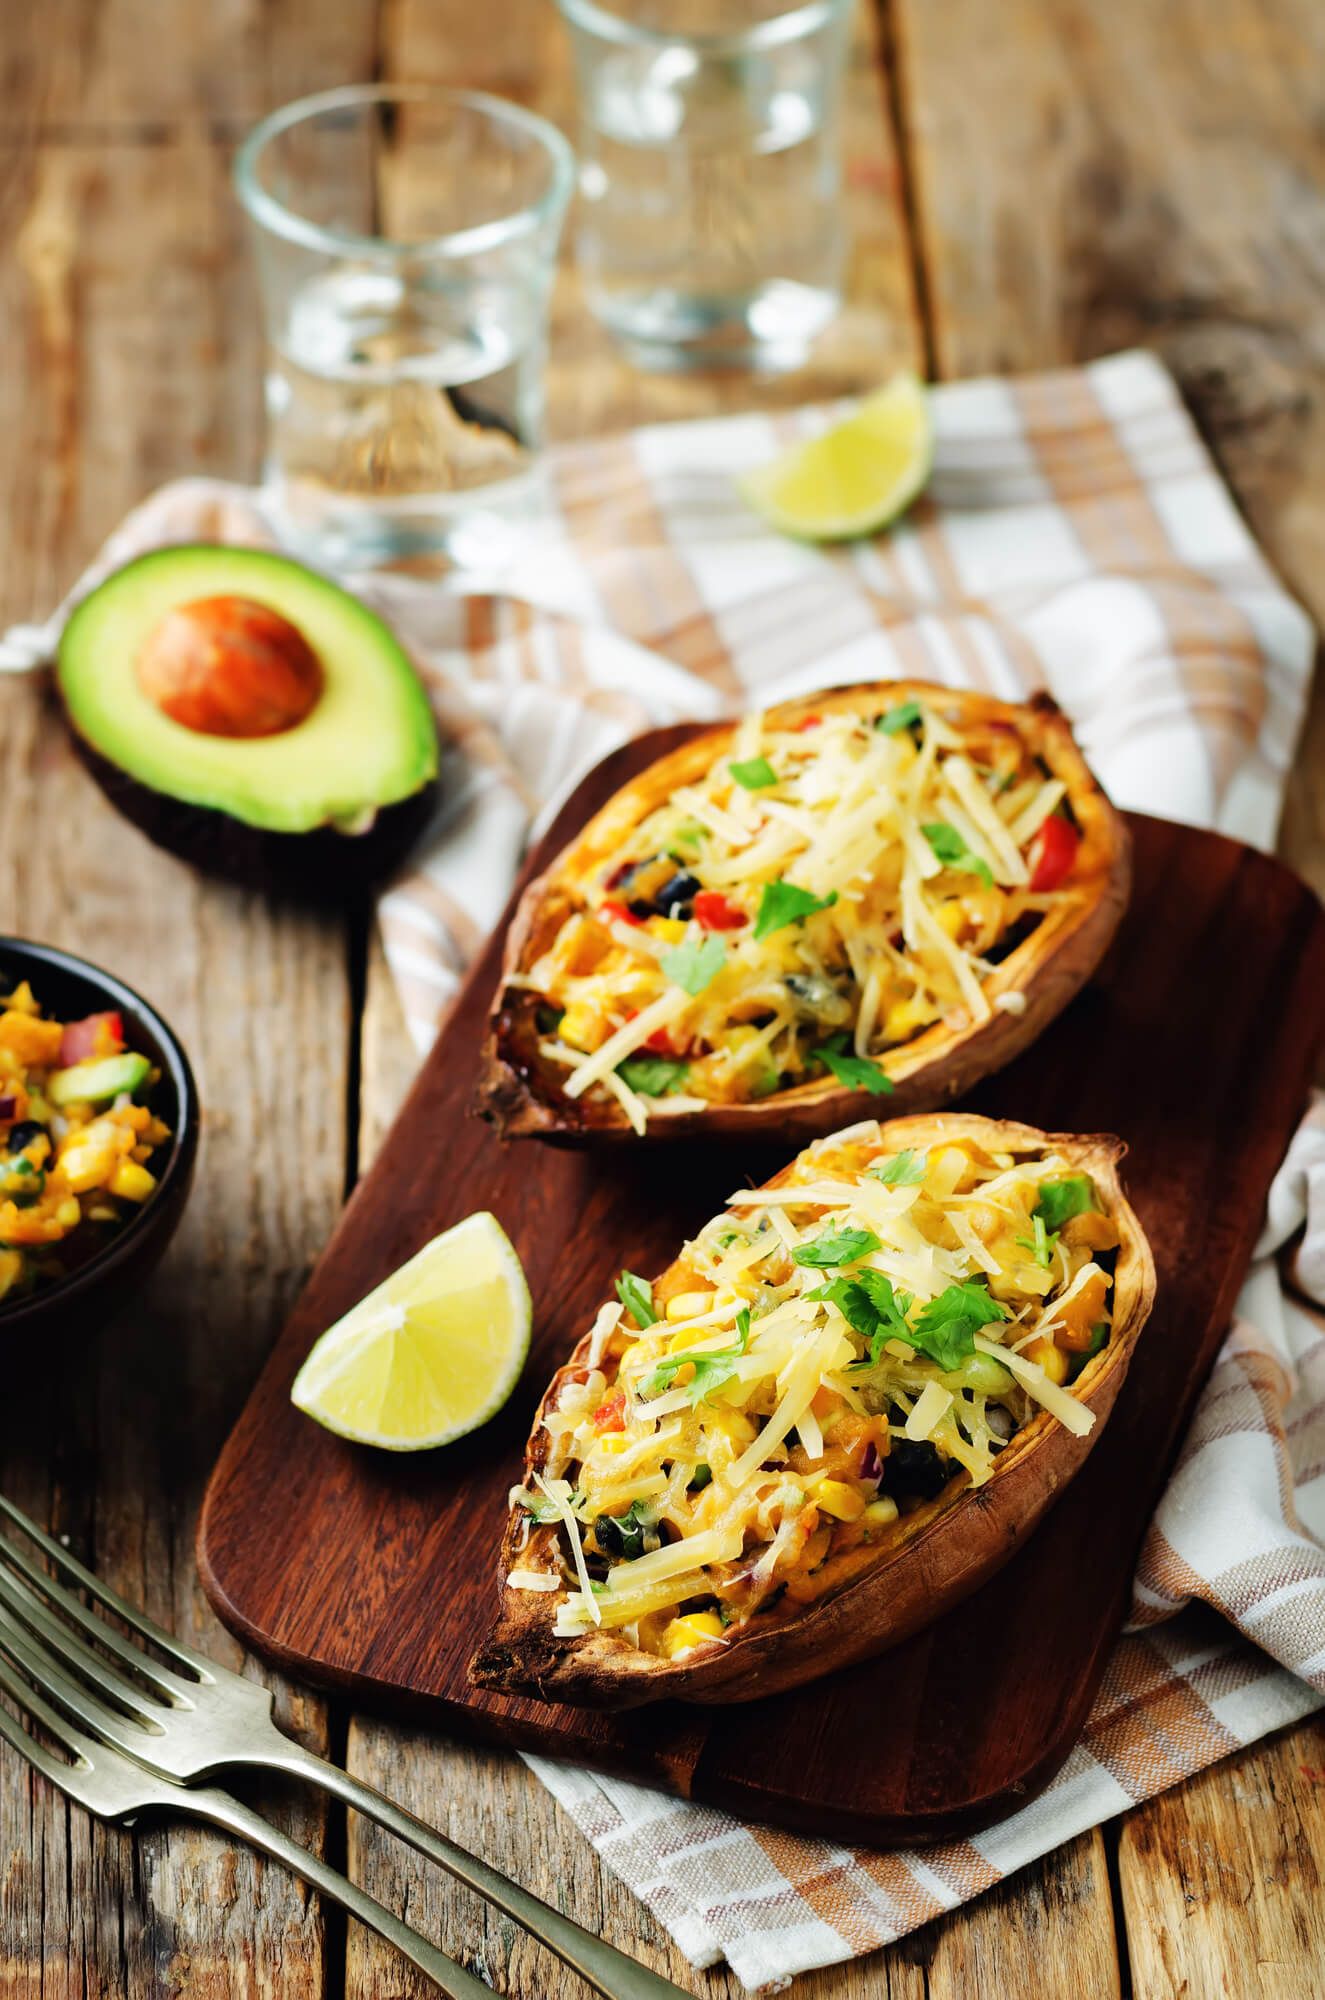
{"x":376,"y":1574}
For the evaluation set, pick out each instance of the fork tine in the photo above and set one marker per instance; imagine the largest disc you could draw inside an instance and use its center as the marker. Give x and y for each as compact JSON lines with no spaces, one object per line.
{"x":76,"y":1703}
{"x":171,"y":1686}
{"x":15,"y":1683}
{"x":136,"y":1620}
{"x":18,"y":1603}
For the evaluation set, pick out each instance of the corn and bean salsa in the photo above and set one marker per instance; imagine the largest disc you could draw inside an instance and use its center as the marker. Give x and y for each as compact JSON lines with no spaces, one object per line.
{"x":75,"y":1144}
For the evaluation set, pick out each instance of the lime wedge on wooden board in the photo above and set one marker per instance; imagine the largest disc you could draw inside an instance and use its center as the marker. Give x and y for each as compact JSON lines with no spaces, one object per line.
{"x":854,"y":478}
{"x":432,"y":1353}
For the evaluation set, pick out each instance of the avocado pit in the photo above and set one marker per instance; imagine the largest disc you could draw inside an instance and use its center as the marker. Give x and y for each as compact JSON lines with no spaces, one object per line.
{"x":229,"y":666}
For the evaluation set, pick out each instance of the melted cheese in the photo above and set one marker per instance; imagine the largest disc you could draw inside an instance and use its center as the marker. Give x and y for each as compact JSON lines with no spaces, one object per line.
{"x":750,"y":1401}
{"x":894,"y":949}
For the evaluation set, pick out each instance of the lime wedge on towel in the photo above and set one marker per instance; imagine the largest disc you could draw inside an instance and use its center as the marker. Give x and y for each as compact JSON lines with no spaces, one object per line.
{"x":854,"y":478}
{"x":432,"y":1353}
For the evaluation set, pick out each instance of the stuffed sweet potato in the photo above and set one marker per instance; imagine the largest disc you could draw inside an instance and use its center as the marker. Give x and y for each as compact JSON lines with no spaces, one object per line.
{"x":889,"y":889}
{"x":839,"y":1411}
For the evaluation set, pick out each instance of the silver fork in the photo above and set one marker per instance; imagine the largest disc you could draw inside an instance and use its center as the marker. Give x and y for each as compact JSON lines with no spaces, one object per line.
{"x":115,"y":1788}
{"x":181,"y":1727}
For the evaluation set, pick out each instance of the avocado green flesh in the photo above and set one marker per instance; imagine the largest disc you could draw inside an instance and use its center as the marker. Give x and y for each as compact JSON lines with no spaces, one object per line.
{"x":368,"y":741}
{"x":95,"y":1082}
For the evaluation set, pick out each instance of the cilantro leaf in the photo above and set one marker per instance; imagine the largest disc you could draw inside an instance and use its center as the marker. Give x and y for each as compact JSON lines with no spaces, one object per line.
{"x":856,"y":1072}
{"x":754,"y":773}
{"x":947,"y":1327}
{"x":904,"y":716}
{"x":713,"y":1367}
{"x":1060,"y":1200}
{"x":952,"y":851}
{"x":835,"y":1246}
{"x":782,"y":903}
{"x":905,"y":1169}
{"x":870,"y":1306}
{"x":693,"y":965}
{"x":637,"y":1297}
{"x":652,"y":1076}
{"x":1041,"y":1245}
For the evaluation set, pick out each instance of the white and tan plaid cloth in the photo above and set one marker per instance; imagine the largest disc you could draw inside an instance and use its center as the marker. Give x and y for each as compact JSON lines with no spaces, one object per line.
{"x":1074,"y":535}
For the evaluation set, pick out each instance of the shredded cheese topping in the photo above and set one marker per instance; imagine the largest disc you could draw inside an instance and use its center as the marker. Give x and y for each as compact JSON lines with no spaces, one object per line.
{"x":824,"y":891}
{"x":825,"y":1355}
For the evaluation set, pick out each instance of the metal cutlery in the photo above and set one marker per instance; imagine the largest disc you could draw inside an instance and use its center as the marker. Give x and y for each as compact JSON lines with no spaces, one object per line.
{"x":142,"y":1734}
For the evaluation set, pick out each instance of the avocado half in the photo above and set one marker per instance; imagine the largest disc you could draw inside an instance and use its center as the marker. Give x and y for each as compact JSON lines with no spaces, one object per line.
{"x":309,"y":792}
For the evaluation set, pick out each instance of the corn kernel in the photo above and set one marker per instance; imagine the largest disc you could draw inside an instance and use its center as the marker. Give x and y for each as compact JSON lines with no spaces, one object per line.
{"x":951,"y":917}
{"x":85,"y":1167}
{"x":69,"y":1214}
{"x":670,"y":929}
{"x":582,"y":1027}
{"x":986,"y":1221}
{"x":835,"y":1497}
{"x":881,"y":1511}
{"x":614,"y":1442}
{"x":903,"y":1018}
{"x":684,"y":1634}
{"x":131,"y":1182}
{"x":11,"y":1269}
{"x":688,"y":1305}
{"x":1052,"y":1359}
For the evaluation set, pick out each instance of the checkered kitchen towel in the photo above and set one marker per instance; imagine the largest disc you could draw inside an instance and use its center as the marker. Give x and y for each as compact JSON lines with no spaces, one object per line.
{"x":1074,"y":535}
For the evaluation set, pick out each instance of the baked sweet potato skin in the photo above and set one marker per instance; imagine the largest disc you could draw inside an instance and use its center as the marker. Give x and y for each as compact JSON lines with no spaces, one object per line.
{"x":520,"y":1092}
{"x":934,"y":1557}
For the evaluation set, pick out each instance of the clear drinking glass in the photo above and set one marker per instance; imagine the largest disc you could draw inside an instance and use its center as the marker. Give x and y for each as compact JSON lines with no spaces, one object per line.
{"x":711,"y":225}
{"x":406,"y":242}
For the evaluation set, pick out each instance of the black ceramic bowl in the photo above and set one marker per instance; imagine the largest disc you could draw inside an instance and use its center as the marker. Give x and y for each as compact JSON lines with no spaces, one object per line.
{"x":68,"y":988}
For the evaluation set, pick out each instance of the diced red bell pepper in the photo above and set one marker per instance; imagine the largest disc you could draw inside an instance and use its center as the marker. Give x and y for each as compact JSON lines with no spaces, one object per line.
{"x":808,"y":722}
{"x":96,"y":1035}
{"x":660,"y":1043}
{"x":1053,"y":851}
{"x":613,"y":912}
{"x":611,"y":1413}
{"x":713,"y":912}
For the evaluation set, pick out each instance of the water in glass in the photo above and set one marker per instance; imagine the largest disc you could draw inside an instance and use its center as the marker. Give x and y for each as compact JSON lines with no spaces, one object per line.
{"x":710,"y":190}
{"x":392,"y":397}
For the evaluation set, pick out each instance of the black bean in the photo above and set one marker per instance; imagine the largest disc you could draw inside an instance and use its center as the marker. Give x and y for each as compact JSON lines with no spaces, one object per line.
{"x":914,"y":1471}
{"x":677,"y":895}
{"x":23,"y":1134}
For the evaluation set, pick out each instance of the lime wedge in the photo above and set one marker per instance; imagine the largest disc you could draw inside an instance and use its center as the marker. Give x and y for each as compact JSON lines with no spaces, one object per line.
{"x":854,"y":478}
{"x":432,"y":1353}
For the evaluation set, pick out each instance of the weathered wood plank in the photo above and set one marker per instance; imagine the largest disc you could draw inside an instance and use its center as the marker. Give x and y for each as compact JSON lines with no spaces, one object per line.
{"x":120,"y":303}
{"x":126,"y":69}
{"x":1224,"y":1880}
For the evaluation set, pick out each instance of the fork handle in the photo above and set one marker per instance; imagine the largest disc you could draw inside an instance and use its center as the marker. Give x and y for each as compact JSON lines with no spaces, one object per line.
{"x":610,"y":1971}
{"x":221,"y":1810}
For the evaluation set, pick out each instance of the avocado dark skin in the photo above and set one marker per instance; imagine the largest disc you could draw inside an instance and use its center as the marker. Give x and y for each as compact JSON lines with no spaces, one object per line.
{"x":325,"y":867}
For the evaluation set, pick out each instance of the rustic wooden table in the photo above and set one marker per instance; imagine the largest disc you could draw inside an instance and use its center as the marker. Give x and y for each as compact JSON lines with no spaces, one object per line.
{"x":1033,"y":183}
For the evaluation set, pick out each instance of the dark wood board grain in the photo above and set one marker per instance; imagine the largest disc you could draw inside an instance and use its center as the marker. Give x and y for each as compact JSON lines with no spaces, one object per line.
{"x":377,"y":1574}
